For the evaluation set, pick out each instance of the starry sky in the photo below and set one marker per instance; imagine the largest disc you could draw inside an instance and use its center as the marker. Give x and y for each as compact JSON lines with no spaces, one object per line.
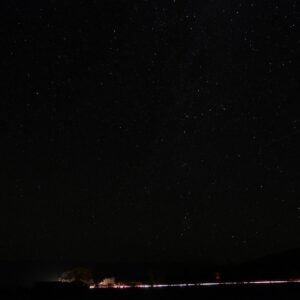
{"x":150,"y":130}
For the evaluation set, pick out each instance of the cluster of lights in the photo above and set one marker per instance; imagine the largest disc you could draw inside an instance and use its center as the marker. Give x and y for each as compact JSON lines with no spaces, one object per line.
{"x":147,"y":286}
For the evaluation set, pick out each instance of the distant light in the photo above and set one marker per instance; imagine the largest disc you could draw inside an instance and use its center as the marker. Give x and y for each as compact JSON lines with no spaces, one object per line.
{"x":174,"y":285}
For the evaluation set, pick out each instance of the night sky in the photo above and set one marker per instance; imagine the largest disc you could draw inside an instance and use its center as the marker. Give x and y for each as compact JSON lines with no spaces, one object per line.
{"x":149,"y":130}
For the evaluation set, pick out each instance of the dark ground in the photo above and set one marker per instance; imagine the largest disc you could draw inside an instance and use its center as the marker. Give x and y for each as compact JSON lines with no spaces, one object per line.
{"x":288,"y":291}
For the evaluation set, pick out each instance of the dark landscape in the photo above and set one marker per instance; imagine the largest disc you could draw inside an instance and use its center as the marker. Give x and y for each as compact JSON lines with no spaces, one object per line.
{"x":288,"y":291}
{"x":37,"y":280}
